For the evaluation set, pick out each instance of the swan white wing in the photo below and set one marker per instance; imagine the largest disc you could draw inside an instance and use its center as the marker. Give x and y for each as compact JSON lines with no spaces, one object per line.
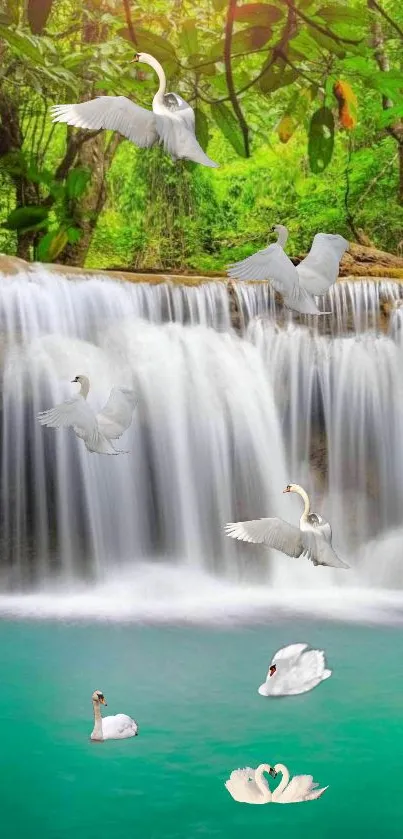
{"x":274,"y":533}
{"x":319,"y":551}
{"x":116,"y":113}
{"x":242,"y":786}
{"x":300,"y":301}
{"x":304,"y":674}
{"x":268,"y":264}
{"x":320,"y":268}
{"x":118,"y":727}
{"x":297,"y":790}
{"x":116,"y":416}
{"x":74,"y":413}
{"x":289,"y":654}
{"x":179,"y":140}
{"x":77,"y":414}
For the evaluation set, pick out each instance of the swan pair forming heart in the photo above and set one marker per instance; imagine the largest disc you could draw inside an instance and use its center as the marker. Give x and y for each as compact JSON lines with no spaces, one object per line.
{"x":249,"y":786}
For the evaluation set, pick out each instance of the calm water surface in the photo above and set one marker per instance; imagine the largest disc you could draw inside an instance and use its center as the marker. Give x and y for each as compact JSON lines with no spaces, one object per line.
{"x":194,"y":694}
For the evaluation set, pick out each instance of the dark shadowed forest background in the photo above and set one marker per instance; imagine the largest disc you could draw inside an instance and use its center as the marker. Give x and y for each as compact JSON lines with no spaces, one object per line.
{"x":300,"y":102}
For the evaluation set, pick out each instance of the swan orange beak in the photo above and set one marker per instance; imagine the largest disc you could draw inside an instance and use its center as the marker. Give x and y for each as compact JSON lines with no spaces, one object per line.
{"x":272,"y":772}
{"x":272,"y":669}
{"x":103,"y":700}
{"x":287,"y":489}
{"x":136,"y":58}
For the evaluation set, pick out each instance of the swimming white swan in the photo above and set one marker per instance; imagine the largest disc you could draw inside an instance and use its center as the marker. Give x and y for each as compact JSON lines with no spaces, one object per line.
{"x":293,"y":670}
{"x":312,"y":540}
{"x":97,"y":430}
{"x":314,"y":274}
{"x":249,"y":786}
{"x":110,"y":728}
{"x":171,"y":123}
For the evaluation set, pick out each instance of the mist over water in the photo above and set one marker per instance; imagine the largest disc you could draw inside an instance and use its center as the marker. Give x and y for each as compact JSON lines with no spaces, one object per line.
{"x":223,"y":424}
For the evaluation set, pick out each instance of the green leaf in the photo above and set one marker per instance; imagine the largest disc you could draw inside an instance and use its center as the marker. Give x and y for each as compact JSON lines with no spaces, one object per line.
{"x":258,"y":14}
{"x":229,"y":126}
{"x":201,"y":66}
{"x":244,"y":41}
{"x":74,"y":235}
{"x":51,"y":245}
{"x":38,"y":12}
{"x":277,"y":75}
{"x":21,"y":44}
{"x":336,"y":13}
{"x":77,"y":182}
{"x":154,"y":44}
{"x":321,"y":140}
{"x":327,"y":43}
{"x":201,"y":128}
{"x":25,"y":217}
{"x":188,"y":37}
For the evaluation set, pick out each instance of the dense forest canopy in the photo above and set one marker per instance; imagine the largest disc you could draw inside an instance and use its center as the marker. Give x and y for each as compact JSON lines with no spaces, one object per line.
{"x":300,"y":102}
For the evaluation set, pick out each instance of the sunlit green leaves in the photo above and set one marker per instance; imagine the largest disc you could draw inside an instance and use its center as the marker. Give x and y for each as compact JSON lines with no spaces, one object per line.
{"x":276,"y":76}
{"x":188,"y":38}
{"x":334,"y":13}
{"x":321,"y":140}
{"x":77,"y":182}
{"x":244,"y":41}
{"x":154,"y":44}
{"x":228,"y":125}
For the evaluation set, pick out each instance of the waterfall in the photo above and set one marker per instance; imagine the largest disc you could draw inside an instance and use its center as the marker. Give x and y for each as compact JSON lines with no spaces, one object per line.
{"x":223,"y":424}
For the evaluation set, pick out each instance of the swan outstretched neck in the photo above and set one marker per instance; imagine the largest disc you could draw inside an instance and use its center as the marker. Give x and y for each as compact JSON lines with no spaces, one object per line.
{"x":282,"y":234}
{"x":146,"y":58}
{"x":304,"y":495}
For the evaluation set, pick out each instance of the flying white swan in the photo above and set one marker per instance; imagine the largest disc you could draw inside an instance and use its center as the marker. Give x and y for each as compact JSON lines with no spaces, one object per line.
{"x":312,"y":540}
{"x":97,"y":430}
{"x":293,"y":670}
{"x":314,"y":275}
{"x":110,"y":728}
{"x":171,"y":123}
{"x":249,"y":786}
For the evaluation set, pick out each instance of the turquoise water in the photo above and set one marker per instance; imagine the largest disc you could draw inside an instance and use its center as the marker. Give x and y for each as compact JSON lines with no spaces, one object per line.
{"x":193,"y":693}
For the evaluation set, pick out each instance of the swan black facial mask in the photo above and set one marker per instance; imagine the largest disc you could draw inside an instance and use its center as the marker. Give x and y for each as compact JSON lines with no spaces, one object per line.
{"x":272,"y":669}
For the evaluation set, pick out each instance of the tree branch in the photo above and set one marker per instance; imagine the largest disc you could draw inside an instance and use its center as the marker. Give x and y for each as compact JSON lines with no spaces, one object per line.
{"x":372,"y":4}
{"x":319,"y":28}
{"x":281,"y":45}
{"x":129,"y":21}
{"x":229,"y":25}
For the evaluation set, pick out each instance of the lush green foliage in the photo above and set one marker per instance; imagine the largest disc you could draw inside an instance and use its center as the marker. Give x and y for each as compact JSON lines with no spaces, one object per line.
{"x":301,"y":102}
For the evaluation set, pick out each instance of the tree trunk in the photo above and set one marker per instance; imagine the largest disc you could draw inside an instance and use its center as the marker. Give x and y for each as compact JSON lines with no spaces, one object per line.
{"x":94,"y":156}
{"x":396,"y":128}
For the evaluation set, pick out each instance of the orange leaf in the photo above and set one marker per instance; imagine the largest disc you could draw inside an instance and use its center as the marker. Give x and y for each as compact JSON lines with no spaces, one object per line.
{"x":347,"y":104}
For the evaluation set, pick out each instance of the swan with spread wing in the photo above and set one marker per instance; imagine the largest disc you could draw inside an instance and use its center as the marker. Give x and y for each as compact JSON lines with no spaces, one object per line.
{"x":311,"y":540}
{"x":297,"y":284}
{"x":249,"y":786}
{"x":171,"y":123}
{"x":97,"y":430}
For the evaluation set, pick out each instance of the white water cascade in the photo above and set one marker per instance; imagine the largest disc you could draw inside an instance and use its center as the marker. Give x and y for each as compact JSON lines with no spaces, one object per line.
{"x":223,"y":424}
